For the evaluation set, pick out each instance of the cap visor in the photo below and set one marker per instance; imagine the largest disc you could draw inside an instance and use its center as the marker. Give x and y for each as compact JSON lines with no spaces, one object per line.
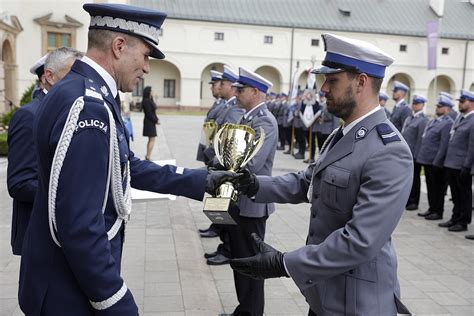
{"x":325,"y":70}
{"x":238,"y":85}
{"x":156,"y":52}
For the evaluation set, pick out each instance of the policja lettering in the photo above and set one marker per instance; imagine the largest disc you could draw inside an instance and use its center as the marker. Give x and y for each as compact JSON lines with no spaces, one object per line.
{"x":92,"y":123}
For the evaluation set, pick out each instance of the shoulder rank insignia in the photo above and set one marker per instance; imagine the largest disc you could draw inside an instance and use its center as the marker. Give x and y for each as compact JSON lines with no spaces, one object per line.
{"x":104,"y":90}
{"x":387,"y":133}
{"x":361,"y":132}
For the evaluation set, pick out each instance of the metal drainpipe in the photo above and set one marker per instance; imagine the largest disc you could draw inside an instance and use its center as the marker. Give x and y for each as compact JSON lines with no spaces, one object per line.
{"x":291,"y":54}
{"x":465,"y":64}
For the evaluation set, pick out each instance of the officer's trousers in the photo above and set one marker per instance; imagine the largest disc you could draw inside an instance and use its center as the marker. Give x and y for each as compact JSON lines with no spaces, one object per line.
{"x":435,"y":183}
{"x":250,"y":292}
{"x":461,"y":191}
{"x":415,"y":188}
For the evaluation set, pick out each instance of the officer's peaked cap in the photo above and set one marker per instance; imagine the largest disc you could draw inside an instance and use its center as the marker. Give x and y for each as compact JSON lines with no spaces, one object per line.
{"x":445,"y":101}
{"x":383,"y":96}
{"x":136,"y":21}
{"x":466,"y":95}
{"x":229,"y":74}
{"x":215,"y":76}
{"x":397,"y":85}
{"x":446,"y":94}
{"x":252,"y":79}
{"x":38,"y":66}
{"x":348,"y":54}
{"x":417,"y":98}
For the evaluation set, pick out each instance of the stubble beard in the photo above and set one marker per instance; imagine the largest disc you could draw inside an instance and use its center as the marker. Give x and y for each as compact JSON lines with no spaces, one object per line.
{"x":344,"y":108}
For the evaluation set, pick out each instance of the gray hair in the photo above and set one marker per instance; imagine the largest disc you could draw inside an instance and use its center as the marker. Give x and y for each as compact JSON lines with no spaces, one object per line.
{"x":58,"y":58}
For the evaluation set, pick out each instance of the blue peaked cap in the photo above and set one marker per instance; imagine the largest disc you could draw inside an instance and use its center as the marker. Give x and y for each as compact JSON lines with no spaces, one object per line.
{"x":383,"y":96}
{"x":397,"y":85}
{"x":445,"y":101}
{"x":140,"y":22}
{"x":347,"y":54}
{"x":252,"y":79}
{"x":419,"y":99}
{"x":466,"y":95}
{"x":229,"y":74}
{"x":215,"y":76}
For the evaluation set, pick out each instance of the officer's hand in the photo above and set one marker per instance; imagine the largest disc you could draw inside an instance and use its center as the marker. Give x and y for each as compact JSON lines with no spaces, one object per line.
{"x":216,"y":177}
{"x":267,"y":263}
{"x":247,"y":183}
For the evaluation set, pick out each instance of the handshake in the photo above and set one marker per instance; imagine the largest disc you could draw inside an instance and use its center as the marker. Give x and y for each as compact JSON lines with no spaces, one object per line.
{"x":245,"y":182}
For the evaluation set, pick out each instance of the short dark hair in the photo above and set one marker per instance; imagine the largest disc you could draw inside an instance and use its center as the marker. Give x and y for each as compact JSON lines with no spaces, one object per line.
{"x":376,"y":82}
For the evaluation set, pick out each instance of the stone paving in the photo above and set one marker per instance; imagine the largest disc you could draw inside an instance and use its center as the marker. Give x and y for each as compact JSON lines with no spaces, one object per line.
{"x":164,"y":266}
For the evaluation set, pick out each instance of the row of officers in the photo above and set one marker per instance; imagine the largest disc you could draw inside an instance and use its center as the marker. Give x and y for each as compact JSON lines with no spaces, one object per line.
{"x":442,"y":146}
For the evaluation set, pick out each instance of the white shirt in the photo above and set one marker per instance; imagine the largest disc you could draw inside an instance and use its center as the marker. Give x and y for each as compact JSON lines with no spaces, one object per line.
{"x":418,"y":113}
{"x":468,"y":113}
{"x":247,"y":114}
{"x":347,"y":128}
{"x":104,"y":74}
{"x":399,"y":102}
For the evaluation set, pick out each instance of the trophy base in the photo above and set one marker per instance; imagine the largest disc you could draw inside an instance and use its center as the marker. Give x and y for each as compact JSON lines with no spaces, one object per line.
{"x":216,"y":210}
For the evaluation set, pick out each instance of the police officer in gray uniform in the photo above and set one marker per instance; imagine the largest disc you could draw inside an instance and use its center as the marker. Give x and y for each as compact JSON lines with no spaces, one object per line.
{"x":357,"y":188}
{"x":383,"y":97}
{"x":412,"y":131}
{"x":251,"y":217}
{"x":401,"y":110}
{"x":458,"y":164}
{"x":326,"y":123}
{"x":211,"y":115}
{"x":432,"y":155}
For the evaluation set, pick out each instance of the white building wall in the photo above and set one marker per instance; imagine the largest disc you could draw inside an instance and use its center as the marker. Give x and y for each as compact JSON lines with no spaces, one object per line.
{"x":190,"y":46}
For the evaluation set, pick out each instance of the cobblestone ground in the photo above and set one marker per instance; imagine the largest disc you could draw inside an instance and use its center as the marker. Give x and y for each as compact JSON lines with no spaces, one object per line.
{"x":164,"y":266}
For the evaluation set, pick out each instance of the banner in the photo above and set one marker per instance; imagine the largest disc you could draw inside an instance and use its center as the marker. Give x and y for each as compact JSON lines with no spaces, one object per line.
{"x":432,"y":37}
{"x":294,"y":88}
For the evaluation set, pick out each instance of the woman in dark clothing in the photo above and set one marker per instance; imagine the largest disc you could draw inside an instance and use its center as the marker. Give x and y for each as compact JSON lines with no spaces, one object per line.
{"x":149,"y":121}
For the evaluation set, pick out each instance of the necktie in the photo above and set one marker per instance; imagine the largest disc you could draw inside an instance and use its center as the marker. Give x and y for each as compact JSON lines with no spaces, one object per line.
{"x":336,"y":138}
{"x":117,"y":99}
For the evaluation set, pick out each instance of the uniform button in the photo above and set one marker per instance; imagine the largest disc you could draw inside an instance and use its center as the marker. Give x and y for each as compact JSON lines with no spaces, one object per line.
{"x":351,"y":271}
{"x":316,"y":195}
{"x":309,"y":282}
{"x":311,"y":233}
{"x":313,"y":215}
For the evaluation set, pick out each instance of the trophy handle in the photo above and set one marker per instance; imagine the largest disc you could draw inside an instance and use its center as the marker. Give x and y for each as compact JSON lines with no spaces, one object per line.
{"x":216,"y":144}
{"x":257,"y":147}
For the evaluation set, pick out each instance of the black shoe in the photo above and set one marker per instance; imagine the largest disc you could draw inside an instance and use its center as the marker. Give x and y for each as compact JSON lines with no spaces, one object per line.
{"x":428,"y":212}
{"x":470,"y":237}
{"x":281,"y":148}
{"x":458,"y":228}
{"x":446,"y":224}
{"x":217,"y":260}
{"x":299,"y":156}
{"x":209,"y":234}
{"x":287,"y":152}
{"x":411,"y":207}
{"x":208,"y":255}
{"x":433,"y":217}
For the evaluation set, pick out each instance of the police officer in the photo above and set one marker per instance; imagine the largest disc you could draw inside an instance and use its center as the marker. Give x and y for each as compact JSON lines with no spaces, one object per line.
{"x":412,"y":131}
{"x":358,"y":189}
{"x":383,"y":97}
{"x":211,"y":115}
{"x":325,"y":124}
{"x":251,"y":217}
{"x":311,"y":112}
{"x":432,"y":155}
{"x":280,"y":112}
{"x":401,"y":110}
{"x":452,"y":113}
{"x":72,"y":250}
{"x":458,"y":164}
{"x":22,"y":174}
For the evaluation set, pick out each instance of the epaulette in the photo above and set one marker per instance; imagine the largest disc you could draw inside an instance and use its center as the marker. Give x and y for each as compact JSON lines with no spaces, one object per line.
{"x":91,"y":90}
{"x":387,"y":133}
{"x":261,"y":113}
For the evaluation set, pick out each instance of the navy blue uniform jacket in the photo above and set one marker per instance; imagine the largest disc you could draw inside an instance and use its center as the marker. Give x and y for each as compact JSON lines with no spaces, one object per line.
{"x":82,"y":276}
{"x":22,"y":172}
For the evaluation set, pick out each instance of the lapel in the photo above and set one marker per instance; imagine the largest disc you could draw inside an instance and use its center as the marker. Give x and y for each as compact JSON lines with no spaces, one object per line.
{"x":345,"y":145}
{"x":95,"y":79}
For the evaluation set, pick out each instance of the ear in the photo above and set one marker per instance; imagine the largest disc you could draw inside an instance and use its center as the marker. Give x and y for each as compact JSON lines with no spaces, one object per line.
{"x":362,"y":80}
{"x":118,"y":46}
{"x":48,"y":77}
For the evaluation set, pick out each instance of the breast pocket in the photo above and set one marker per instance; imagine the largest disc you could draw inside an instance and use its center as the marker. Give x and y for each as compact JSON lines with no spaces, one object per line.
{"x":335,"y":189}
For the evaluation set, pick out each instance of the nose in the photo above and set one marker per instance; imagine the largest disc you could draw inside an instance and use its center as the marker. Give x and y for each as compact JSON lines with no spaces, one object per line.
{"x":324,"y":88}
{"x":146,"y":66}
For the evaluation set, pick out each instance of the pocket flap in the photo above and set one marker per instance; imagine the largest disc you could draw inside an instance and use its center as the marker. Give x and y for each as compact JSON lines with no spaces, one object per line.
{"x":366,"y":271}
{"x":337,"y":176}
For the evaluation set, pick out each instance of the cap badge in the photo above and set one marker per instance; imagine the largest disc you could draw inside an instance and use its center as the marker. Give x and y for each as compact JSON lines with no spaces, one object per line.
{"x":104,"y":91}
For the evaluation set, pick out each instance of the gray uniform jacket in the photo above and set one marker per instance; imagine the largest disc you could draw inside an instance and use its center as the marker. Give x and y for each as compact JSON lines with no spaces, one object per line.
{"x":211,"y":116}
{"x":358,"y":190}
{"x":412,"y":131}
{"x":297,"y":122}
{"x":435,"y":142}
{"x":280,"y":114}
{"x":387,"y":112}
{"x":262,"y":163}
{"x":399,"y":115}
{"x":326,"y":123}
{"x":230,"y":113}
{"x":462,"y":133}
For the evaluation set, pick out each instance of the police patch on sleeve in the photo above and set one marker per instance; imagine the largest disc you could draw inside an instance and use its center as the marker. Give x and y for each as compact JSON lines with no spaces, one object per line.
{"x":387,"y":134}
{"x":92,"y":123}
